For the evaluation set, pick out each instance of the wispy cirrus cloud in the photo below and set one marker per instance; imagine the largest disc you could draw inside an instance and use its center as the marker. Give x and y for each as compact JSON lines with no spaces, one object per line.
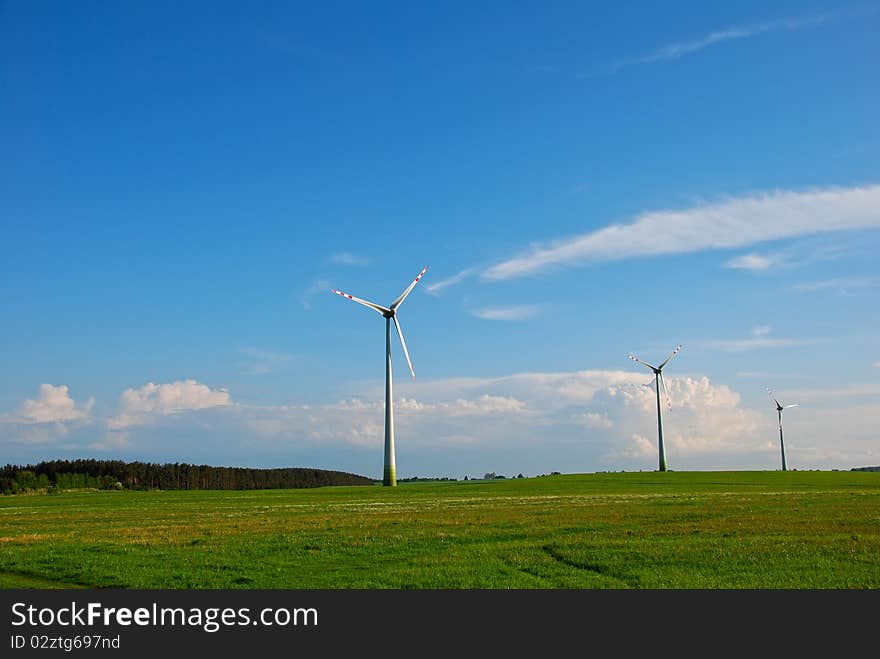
{"x":517,"y":312}
{"x":679,"y":49}
{"x":436,"y":287}
{"x":318,"y":286}
{"x":729,"y":223}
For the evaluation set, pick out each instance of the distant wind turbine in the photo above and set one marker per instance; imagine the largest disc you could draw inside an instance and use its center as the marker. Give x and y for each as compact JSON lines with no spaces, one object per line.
{"x":658,"y":379}
{"x":779,"y":409}
{"x":389,"y":476}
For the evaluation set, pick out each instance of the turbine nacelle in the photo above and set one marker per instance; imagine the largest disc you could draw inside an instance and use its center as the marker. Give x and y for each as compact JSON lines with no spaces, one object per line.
{"x":779,"y":406}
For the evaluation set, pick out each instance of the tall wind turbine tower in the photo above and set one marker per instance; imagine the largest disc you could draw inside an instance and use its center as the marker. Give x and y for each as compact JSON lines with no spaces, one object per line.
{"x":389,"y":476}
{"x":658,"y":380}
{"x":779,"y":409}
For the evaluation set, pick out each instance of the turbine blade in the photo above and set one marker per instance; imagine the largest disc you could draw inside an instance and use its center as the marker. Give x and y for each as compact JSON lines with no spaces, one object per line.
{"x":666,"y":390}
{"x":785,"y":407}
{"x":375,"y":307}
{"x":639,"y":361}
{"x":674,"y":353}
{"x":403,"y":343}
{"x":408,"y":290}
{"x":772,"y":397}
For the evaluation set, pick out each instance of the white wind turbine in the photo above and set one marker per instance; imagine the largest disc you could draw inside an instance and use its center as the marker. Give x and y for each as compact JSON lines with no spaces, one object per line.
{"x":779,"y":409}
{"x":389,"y":476}
{"x":658,"y":379}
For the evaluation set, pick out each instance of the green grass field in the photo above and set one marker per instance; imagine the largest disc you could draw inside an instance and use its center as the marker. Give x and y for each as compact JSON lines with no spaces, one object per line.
{"x":621,"y":530}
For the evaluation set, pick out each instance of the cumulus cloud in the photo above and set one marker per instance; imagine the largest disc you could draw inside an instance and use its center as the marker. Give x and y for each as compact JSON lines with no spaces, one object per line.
{"x":609,"y":414}
{"x":54,"y":405}
{"x":705,"y":418}
{"x":592,"y":420}
{"x":486,"y":404}
{"x":53,"y":415}
{"x":573,"y":420}
{"x":361,"y":422}
{"x":141,"y":405}
{"x":638,"y":448}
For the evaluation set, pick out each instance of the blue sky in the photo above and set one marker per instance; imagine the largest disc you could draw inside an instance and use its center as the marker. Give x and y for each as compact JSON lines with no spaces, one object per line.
{"x":181,"y":187}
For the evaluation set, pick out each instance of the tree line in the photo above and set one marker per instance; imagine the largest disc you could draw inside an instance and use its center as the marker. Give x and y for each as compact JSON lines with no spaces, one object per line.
{"x":59,"y":475}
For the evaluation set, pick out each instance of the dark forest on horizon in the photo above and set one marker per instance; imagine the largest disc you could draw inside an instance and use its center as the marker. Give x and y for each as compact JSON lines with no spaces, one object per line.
{"x":59,"y":475}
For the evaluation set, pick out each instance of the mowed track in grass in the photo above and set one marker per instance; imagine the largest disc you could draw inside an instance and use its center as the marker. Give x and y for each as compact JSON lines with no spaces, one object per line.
{"x":613,"y":530}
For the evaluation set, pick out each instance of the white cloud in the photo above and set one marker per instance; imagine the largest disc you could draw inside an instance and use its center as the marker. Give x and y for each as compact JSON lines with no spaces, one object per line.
{"x":436,"y":287}
{"x":755,"y":262}
{"x":762,"y":330}
{"x":729,"y":223}
{"x":141,"y":405}
{"x":479,"y":406}
{"x":588,"y":420}
{"x":679,"y":49}
{"x":319,"y":286}
{"x":54,"y":414}
{"x":592,"y":420}
{"x":54,"y":405}
{"x":705,"y":417}
{"x":562,"y":387}
{"x":876,"y":364}
{"x":361,"y":422}
{"x":347,"y":258}
{"x":638,"y":448}
{"x":520,"y":312}
{"x":485,"y":404}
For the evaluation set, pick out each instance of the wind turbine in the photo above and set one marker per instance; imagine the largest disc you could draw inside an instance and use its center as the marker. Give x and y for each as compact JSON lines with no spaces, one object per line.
{"x":389,"y":476}
{"x":779,"y":409}
{"x":658,"y":379}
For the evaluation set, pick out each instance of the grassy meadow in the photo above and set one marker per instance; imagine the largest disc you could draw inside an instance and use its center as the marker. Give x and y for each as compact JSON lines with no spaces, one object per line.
{"x":612,"y":530}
